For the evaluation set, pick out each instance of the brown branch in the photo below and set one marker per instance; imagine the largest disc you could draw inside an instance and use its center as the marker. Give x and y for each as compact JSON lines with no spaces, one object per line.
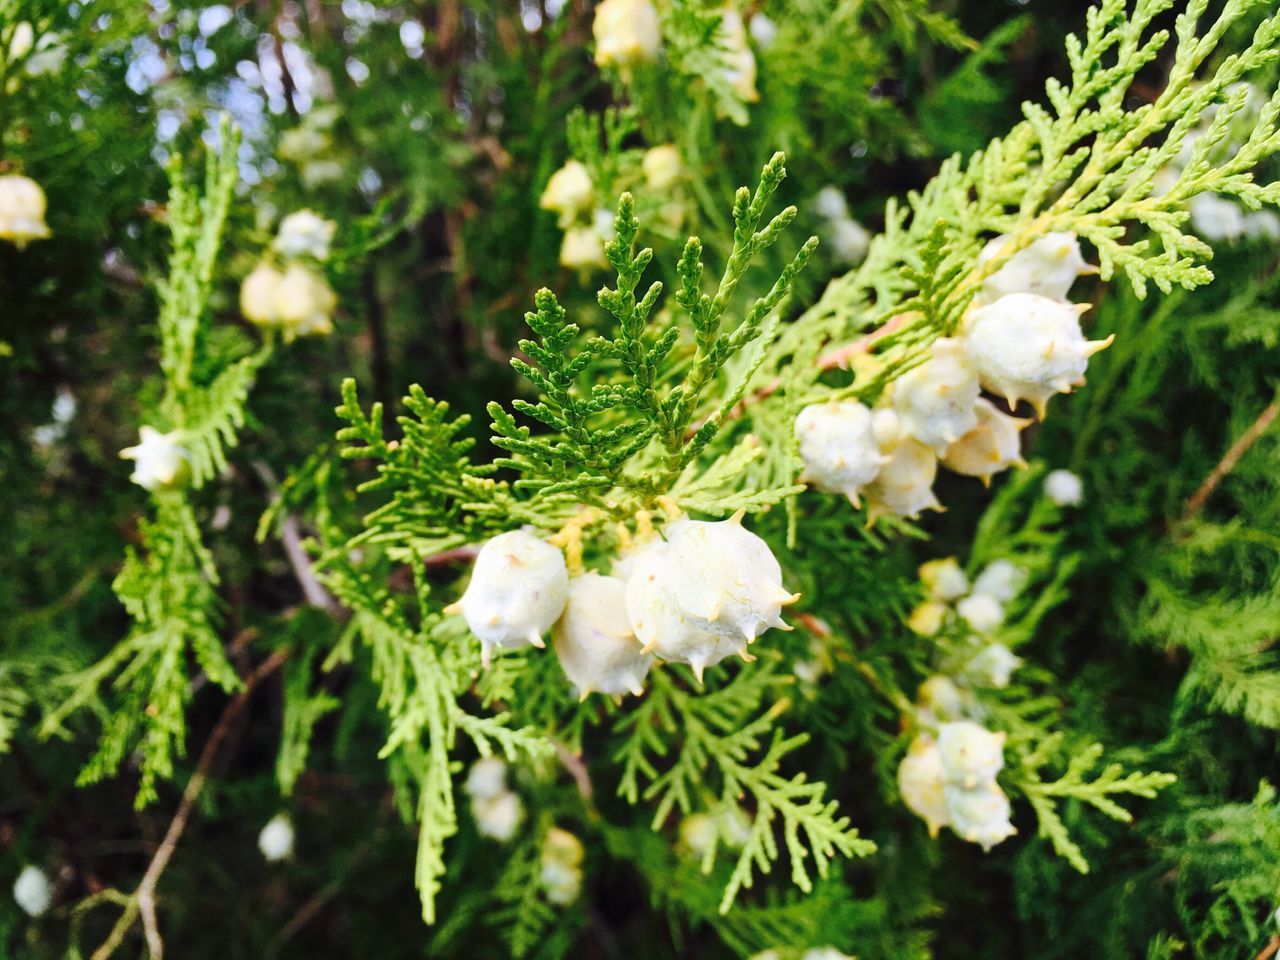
{"x":1270,"y":950}
{"x":1230,"y":459}
{"x":142,"y":903}
{"x":291,"y":539}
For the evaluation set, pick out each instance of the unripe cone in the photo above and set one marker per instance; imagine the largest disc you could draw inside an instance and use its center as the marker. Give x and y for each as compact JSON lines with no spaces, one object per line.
{"x":904,"y":486}
{"x":568,"y":192}
{"x":922,"y":784}
{"x":944,"y":578}
{"x":260,"y":295}
{"x":989,"y":448}
{"x":1048,"y":267}
{"x":838,"y":447}
{"x":597,"y":648}
{"x":980,"y":815}
{"x":518,"y":589}
{"x":626,"y":32}
{"x":993,"y":666}
{"x":707,"y":594}
{"x":1028,"y":347}
{"x":1001,"y":579}
{"x":22,"y":208}
{"x":971,"y":754}
{"x":935,"y":401}
{"x":161,"y":461}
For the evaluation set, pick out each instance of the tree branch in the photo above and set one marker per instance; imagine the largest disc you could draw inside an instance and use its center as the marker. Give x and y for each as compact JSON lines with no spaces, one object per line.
{"x":142,"y":902}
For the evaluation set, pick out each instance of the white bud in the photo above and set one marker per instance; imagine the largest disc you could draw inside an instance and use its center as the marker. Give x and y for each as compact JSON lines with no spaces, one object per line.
{"x":698,"y":834}
{"x":627,"y":32}
{"x":1262,"y":223}
{"x":921,"y":783}
{"x":848,"y":240}
{"x":519,"y":587}
{"x":487,"y":778}
{"x":662,"y":167}
{"x":48,"y":57}
{"x":904,"y":486}
{"x":260,"y":295}
{"x":1216,"y":218}
{"x":971,"y":754}
{"x":23,"y":39}
{"x":927,"y":618}
{"x":829,"y":203}
{"x":838,"y":447}
{"x":160,"y":460}
{"x":22,"y":206}
{"x":498,"y":817}
{"x":982,"y":612}
{"x":935,"y":401}
{"x":305,"y":234}
{"x":1001,"y":579}
{"x":1047,"y":267}
{"x":990,"y":447}
{"x":1028,"y":347}
{"x":940,"y":700}
{"x":568,"y":192}
{"x":763,"y":30}
{"x":583,"y":249}
{"x":887,"y":428}
{"x":1064,"y":488}
{"x":597,"y":649}
{"x":980,"y":815}
{"x":993,"y":666}
{"x":709,"y":593}
{"x":33,"y":890}
{"x":276,"y":838}
{"x":304,"y":302}
{"x":944,"y":578}
{"x":561,"y":863}
{"x":739,"y":61}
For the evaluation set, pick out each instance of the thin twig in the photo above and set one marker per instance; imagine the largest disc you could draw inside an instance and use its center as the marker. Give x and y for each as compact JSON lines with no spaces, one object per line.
{"x":142,"y":903}
{"x":291,"y":538}
{"x":1230,"y":459}
{"x":1270,"y":950}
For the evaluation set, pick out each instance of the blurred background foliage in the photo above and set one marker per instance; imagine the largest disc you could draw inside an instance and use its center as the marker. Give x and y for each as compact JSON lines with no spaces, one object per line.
{"x":428,"y":131}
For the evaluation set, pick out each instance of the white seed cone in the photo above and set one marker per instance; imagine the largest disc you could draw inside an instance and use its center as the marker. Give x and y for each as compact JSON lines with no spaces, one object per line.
{"x":518,"y":589}
{"x":707,"y":594}
{"x":1048,"y":267}
{"x":1064,"y":488}
{"x":487,"y":778}
{"x":981,"y":611}
{"x":979,"y":815}
{"x":627,"y":32}
{"x":1001,"y":579}
{"x":838,"y":447}
{"x":944,"y":578}
{"x":1028,"y":347}
{"x":498,"y":816}
{"x":993,"y":666}
{"x":991,"y":447}
{"x":935,"y":401}
{"x":971,"y":754}
{"x":597,"y":648}
{"x":568,"y":192}
{"x":260,"y":295}
{"x":922,"y":784}
{"x":22,"y":210}
{"x":904,"y":486}
{"x":940,"y":700}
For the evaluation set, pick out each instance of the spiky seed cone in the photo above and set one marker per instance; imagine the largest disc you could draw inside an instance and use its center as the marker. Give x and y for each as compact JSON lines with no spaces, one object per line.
{"x":594,"y":642}
{"x":518,"y":589}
